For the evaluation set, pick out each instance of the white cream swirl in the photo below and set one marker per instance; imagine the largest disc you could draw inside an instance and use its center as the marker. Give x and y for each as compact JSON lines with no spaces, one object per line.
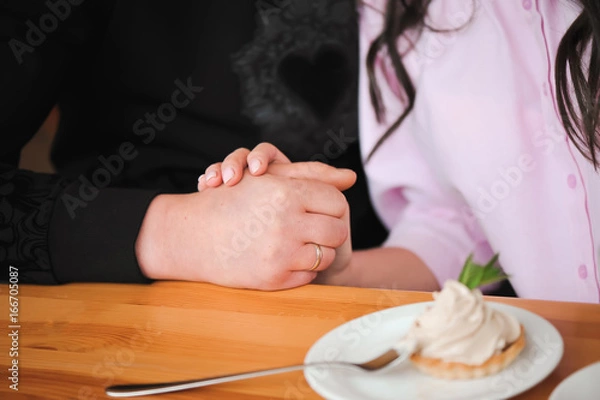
{"x":460,"y":327}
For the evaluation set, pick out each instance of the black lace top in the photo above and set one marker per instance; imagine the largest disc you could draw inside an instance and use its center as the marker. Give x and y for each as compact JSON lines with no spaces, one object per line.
{"x":151,"y":93}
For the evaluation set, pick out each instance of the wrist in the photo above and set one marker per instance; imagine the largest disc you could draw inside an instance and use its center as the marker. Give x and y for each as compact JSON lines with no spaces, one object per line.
{"x":173,"y":243}
{"x":337,"y":276}
{"x":148,"y":247}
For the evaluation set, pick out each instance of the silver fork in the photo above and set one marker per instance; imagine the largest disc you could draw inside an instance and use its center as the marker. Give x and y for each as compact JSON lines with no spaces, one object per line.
{"x":382,"y":362}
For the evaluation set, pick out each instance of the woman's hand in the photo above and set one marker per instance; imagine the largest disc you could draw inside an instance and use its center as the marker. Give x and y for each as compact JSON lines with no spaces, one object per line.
{"x":337,"y":273}
{"x":231,"y":170}
{"x":267,"y":158}
{"x":258,"y":234}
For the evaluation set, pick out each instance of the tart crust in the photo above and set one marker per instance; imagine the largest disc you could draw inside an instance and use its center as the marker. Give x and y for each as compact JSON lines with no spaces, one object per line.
{"x":456,"y":370}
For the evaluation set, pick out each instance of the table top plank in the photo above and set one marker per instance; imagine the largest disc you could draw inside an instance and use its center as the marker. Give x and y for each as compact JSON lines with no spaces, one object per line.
{"x":76,"y":339}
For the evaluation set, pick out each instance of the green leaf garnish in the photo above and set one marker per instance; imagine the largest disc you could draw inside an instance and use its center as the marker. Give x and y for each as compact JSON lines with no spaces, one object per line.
{"x":474,"y":275}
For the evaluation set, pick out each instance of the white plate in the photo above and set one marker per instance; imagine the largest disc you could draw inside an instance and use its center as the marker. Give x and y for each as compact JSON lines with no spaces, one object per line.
{"x":583,"y":384}
{"x":366,"y":337}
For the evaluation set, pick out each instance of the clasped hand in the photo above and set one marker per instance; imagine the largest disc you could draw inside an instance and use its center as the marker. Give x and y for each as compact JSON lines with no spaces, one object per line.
{"x":255,"y":231}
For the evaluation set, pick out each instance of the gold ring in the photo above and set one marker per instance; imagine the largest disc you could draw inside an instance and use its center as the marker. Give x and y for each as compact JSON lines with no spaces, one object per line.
{"x":319,"y":257}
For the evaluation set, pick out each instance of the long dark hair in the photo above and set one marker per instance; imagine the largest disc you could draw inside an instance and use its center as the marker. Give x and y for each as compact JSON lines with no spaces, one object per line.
{"x":577,"y":79}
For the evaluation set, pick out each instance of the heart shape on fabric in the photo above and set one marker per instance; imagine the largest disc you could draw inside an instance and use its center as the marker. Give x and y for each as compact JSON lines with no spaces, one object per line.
{"x":319,"y":79}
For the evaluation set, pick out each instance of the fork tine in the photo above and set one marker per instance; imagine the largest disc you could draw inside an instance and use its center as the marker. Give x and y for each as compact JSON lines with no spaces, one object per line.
{"x":381,"y":361}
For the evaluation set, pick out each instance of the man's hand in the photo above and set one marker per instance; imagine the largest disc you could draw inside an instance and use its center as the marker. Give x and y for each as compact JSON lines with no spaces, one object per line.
{"x":257,"y":234}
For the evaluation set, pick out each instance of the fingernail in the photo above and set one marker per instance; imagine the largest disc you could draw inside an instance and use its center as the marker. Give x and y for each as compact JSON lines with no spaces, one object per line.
{"x":228,"y":174}
{"x":200,"y":177}
{"x":211,"y":175}
{"x":254,"y":165}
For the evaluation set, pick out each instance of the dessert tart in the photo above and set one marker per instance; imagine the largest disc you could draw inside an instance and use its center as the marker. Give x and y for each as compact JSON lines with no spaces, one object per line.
{"x":460,"y":336}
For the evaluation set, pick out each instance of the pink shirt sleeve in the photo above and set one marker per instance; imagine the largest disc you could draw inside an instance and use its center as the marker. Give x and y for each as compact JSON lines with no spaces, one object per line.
{"x":404,"y":189}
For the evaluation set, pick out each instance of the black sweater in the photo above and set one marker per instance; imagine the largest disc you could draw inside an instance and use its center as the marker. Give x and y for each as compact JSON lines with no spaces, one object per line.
{"x":150,"y":94}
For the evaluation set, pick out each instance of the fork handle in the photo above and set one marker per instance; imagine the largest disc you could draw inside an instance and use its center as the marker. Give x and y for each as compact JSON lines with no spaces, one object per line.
{"x":167,"y":387}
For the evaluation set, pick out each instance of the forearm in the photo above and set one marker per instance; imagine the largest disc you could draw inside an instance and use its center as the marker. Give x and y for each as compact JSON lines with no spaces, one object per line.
{"x":26,"y":200}
{"x":54,"y":235}
{"x":386,"y":267}
{"x":175,"y":237}
{"x":92,"y":237}
{"x":152,"y":249}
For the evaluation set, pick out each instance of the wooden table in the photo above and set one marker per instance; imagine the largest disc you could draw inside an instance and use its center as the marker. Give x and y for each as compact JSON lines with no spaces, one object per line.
{"x":74,"y":340}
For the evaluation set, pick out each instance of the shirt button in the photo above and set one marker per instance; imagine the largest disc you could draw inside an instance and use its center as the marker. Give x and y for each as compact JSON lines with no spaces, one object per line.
{"x":583,"y":273}
{"x":572,"y":181}
{"x":527,"y":4}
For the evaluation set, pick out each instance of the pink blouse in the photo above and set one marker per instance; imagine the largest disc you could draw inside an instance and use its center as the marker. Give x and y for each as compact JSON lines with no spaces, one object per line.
{"x":482,"y":164}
